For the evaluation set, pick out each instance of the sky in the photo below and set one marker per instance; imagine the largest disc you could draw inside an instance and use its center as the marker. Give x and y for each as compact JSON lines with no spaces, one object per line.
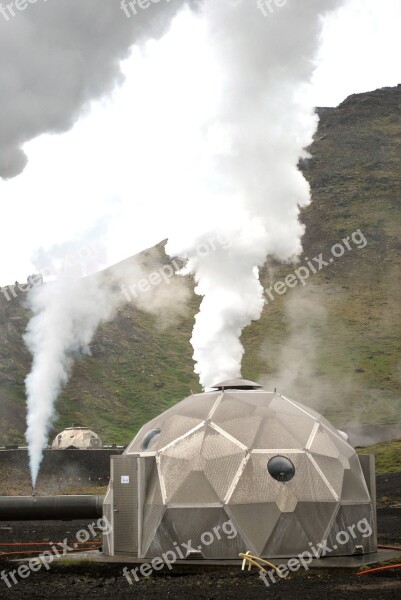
{"x":103,"y":190}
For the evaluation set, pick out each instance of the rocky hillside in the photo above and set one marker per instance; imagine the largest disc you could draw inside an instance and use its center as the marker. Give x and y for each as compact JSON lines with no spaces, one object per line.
{"x":333,"y":343}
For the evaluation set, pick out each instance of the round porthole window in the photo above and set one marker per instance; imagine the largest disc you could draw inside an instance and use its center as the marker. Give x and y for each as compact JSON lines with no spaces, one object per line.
{"x":150,"y":438}
{"x":281,"y":468}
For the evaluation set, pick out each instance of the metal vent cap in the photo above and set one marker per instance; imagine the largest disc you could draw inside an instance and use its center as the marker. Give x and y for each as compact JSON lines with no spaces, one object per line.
{"x":237,"y":384}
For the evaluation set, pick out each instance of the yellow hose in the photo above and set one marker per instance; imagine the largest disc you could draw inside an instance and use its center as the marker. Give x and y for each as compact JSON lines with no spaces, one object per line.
{"x":252,"y":560}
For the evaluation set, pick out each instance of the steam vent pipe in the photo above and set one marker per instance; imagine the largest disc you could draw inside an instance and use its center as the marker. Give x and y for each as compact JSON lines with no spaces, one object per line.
{"x":50,"y":508}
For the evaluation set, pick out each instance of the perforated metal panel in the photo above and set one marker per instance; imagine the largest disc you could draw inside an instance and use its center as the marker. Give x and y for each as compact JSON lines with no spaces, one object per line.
{"x":353,"y":527}
{"x":200,"y":467}
{"x":273,"y":434}
{"x":324,"y":444}
{"x":368,"y":466}
{"x":256,"y":522}
{"x":209,"y":531}
{"x":288,"y":537}
{"x":354,"y":484}
{"x":108,"y":514}
{"x":196,"y":408}
{"x":153,"y":507}
{"x":124,"y":475}
{"x":333,"y":471}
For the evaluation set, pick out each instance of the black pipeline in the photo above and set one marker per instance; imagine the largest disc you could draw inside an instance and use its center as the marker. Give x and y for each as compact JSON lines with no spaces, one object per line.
{"x":50,"y":508}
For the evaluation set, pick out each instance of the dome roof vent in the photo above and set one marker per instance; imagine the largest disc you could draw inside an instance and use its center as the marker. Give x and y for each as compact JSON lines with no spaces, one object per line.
{"x":237,"y":384}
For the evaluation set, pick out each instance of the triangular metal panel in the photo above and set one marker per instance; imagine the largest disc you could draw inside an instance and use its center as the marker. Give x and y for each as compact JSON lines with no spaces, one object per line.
{"x":174,"y":472}
{"x":287,"y":539}
{"x":153,"y":509}
{"x":217,"y":445}
{"x":221,"y":472}
{"x":191,"y":523}
{"x":229,"y":408}
{"x":152,"y":517}
{"x":195,"y":489}
{"x":243,"y":429}
{"x":164,"y":538}
{"x":305,"y":410}
{"x":195,"y":407}
{"x":253,"y":485}
{"x":333,"y":471}
{"x":300,"y":427}
{"x":344,"y":448}
{"x":256,"y":521}
{"x":273,"y":434}
{"x":354,"y":487}
{"x":210,"y":531}
{"x":282,"y":406}
{"x":316,"y":518}
{"x":173,"y":428}
{"x":354,"y":526}
{"x":324,"y":444}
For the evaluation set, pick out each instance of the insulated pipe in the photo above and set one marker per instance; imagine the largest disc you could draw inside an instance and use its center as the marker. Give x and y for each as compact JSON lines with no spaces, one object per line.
{"x":50,"y":508}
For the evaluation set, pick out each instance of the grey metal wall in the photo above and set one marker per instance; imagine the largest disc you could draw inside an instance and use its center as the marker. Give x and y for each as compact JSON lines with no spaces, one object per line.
{"x":124,"y":477}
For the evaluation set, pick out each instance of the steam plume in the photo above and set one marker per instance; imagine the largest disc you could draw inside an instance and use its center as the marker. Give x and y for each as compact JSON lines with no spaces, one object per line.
{"x":64,"y":55}
{"x":60,"y":56}
{"x":250,"y":179}
{"x":67,"y":313}
{"x":66,"y":316}
{"x":266,"y":121}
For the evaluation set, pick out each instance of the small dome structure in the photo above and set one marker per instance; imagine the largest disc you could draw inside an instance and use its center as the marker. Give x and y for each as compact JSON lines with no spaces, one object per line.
{"x":76,"y":438}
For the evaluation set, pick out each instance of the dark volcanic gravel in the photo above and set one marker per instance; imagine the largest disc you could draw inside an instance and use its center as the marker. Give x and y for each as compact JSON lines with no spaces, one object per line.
{"x":388,"y":488}
{"x":98,"y":581}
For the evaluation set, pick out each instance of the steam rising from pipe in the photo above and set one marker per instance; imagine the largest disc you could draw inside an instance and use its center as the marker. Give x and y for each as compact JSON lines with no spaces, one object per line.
{"x":265,"y":121}
{"x":66,"y":316}
{"x":64,"y":55}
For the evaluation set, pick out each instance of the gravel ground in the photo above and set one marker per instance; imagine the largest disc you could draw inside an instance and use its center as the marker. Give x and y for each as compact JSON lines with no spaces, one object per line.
{"x":100,"y":582}
{"x":388,"y":488}
{"x":96,"y":581}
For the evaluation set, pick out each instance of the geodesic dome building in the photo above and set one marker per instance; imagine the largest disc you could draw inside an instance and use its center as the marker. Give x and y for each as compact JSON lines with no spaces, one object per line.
{"x":282,"y":475}
{"x":77,"y":438}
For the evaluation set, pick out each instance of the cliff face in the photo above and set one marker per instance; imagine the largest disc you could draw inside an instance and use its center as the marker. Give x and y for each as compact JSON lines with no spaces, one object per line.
{"x":333,"y":343}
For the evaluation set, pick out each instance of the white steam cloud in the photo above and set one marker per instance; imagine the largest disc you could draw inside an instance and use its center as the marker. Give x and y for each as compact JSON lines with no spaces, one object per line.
{"x":68,"y":311}
{"x":264,"y":123}
{"x":250,"y":189}
{"x":66,"y":316}
{"x":64,"y":55}
{"x":57,"y":57}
